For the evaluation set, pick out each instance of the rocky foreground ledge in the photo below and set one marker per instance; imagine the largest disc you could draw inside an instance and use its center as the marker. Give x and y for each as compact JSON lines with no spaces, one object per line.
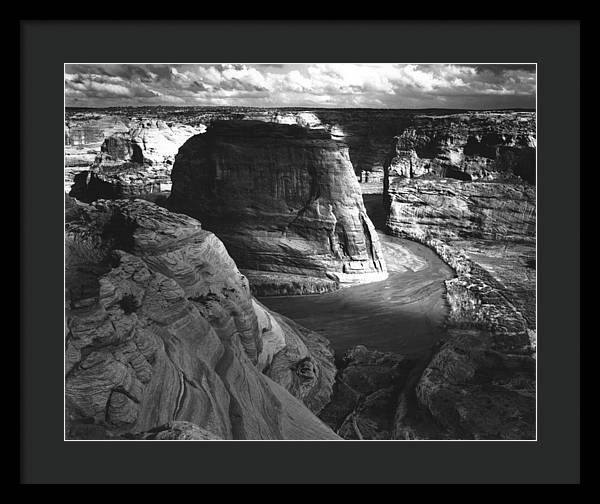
{"x":162,"y":328}
{"x":285,"y":201}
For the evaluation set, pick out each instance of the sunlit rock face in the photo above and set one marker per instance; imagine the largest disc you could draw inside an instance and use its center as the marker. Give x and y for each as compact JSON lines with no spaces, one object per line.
{"x":450,"y":210}
{"x":306,"y":119}
{"x":151,"y":142}
{"x":84,"y":135}
{"x":162,"y":328}
{"x":134,"y":162}
{"x":83,"y":138}
{"x":283,"y":198}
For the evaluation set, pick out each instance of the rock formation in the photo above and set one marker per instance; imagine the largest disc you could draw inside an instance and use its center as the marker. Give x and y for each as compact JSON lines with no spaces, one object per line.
{"x":283,"y":198}
{"x":161,"y":328}
{"x":83,"y":139}
{"x":366,"y":393}
{"x":450,"y":210}
{"x":133,"y":163}
{"x":480,"y":382}
{"x":468,"y":146}
{"x":164,"y":338}
{"x":465,"y":190}
{"x":367,"y":132}
{"x":150,"y":142}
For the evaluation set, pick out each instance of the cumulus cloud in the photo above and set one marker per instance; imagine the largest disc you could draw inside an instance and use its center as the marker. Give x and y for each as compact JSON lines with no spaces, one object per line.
{"x":302,"y":85}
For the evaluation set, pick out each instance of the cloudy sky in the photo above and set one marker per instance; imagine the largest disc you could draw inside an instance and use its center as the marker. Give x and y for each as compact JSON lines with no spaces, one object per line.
{"x":302,"y":85}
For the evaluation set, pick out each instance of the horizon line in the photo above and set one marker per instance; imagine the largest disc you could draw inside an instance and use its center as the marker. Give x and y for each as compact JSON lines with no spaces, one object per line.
{"x":292,"y":107}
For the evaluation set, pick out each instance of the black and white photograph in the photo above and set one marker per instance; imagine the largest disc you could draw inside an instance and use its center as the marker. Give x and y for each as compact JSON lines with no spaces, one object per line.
{"x":300,"y":251}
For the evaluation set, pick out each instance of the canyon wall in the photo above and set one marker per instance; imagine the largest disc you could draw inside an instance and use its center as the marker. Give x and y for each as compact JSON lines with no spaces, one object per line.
{"x":162,"y":329}
{"x":450,"y":210}
{"x":466,"y":146}
{"x":466,"y":189}
{"x":285,"y":201}
{"x":133,"y":163}
{"x":83,"y":138}
{"x":367,"y":132}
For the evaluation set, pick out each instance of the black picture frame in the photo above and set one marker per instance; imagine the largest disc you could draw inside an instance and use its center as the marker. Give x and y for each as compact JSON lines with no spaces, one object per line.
{"x":553,"y":45}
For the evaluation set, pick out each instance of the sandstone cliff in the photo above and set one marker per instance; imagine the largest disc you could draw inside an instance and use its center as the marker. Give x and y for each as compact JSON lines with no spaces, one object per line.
{"x":468,"y":146}
{"x":450,"y":210}
{"x":368,"y":132}
{"x":284,"y":199}
{"x":84,"y":137}
{"x":475,"y":206}
{"x":150,"y":142}
{"x":161,"y":328}
{"x":133,"y":162}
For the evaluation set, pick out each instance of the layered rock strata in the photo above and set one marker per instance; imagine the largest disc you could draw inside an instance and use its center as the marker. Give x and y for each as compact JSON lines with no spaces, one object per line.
{"x":471,"y":146}
{"x":368,"y":132}
{"x":450,"y":210}
{"x":161,"y":328}
{"x":284,"y":199}
{"x":83,"y":139}
{"x":480,"y":382}
{"x":133,"y":163}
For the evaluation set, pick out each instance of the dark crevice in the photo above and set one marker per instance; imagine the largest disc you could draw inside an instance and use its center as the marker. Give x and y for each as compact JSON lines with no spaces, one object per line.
{"x":119,"y":231}
{"x":342,"y":237}
{"x":369,"y":242}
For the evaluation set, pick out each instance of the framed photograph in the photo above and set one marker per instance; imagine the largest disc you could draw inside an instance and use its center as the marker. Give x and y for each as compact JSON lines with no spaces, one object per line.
{"x":300,"y":263}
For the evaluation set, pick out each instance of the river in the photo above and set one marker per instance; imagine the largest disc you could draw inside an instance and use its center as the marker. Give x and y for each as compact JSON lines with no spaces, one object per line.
{"x":404,"y":313}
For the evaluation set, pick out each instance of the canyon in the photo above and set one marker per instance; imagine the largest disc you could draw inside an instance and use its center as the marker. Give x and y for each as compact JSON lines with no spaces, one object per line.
{"x":301,"y":274}
{"x":368,"y":133}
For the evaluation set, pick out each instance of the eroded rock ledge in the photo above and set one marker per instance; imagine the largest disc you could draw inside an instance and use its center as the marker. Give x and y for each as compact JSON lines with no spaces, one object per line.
{"x":283,"y":198}
{"x":161,"y":328}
